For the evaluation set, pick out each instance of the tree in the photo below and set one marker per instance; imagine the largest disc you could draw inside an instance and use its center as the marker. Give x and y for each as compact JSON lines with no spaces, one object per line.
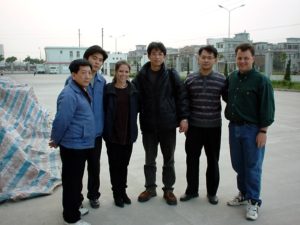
{"x":1,"y":58}
{"x":226,"y":70}
{"x":33,"y":61}
{"x":279,"y":59}
{"x":287,"y":75}
{"x":10,"y":61}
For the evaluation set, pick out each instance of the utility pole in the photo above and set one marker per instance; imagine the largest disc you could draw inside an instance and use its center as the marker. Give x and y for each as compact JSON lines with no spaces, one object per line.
{"x":79,"y":37}
{"x":229,"y":12}
{"x":102,"y":34}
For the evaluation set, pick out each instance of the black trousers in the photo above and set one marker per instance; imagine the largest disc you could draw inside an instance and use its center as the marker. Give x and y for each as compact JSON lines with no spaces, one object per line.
{"x":93,"y":168}
{"x":210,"y":139}
{"x":167,"y":141}
{"x":73,"y":163}
{"x":118,"y":159}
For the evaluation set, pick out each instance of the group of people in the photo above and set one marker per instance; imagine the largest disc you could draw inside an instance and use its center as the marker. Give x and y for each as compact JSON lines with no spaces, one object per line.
{"x":88,"y":110}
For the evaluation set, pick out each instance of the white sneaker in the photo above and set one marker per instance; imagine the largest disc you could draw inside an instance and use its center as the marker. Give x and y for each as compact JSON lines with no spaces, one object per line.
{"x":252,"y":211}
{"x":237,"y":200}
{"x":79,"y":222}
{"x":83,"y":211}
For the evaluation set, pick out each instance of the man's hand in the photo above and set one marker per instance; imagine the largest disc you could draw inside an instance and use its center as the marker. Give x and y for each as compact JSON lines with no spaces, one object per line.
{"x":261,"y":139}
{"x":52,"y":144}
{"x":183,"y":126}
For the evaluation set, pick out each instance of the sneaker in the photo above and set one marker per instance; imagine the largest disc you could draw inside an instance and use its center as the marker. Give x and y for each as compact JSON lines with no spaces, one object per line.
{"x":237,"y":200}
{"x":83,"y":211}
{"x":146,"y":195}
{"x":252,"y":210}
{"x":170,"y":198}
{"x":79,"y":222}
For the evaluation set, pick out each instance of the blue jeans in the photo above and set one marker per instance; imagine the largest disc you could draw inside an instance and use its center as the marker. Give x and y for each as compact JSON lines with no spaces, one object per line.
{"x":246,"y":159}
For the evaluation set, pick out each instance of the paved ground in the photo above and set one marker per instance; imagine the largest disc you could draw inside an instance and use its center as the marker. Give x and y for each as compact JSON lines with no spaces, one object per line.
{"x":280,"y":186}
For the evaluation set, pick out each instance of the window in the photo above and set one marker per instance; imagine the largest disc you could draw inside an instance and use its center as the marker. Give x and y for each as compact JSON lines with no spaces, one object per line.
{"x":71,"y":54}
{"x":78,"y":54}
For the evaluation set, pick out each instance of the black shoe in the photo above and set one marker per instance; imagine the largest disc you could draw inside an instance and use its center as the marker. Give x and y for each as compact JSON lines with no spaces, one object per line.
{"x":126,"y":199}
{"x":119,"y":202}
{"x":213,"y":199}
{"x":187,"y":197}
{"x":94,"y":203}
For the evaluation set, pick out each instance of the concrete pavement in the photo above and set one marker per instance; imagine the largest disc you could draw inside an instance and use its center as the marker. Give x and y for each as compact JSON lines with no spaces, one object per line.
{"x":280,"y":186}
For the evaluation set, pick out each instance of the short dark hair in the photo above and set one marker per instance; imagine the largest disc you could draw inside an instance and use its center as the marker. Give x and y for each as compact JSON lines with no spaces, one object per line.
{"x":244,"y":47}
{"x":209,"y":49}
{"x":77,"y":63}
{"x":95,"y":49}
{"x":156,"y":45}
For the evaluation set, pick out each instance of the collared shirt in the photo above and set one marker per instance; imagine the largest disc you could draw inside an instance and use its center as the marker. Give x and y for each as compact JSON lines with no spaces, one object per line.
{"x":250,"y":99}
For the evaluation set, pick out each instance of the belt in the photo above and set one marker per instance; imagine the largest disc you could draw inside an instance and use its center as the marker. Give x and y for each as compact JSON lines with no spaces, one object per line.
{"x":240,"y":123}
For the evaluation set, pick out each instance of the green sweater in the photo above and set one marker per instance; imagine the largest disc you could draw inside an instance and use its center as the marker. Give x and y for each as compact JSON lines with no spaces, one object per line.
{"x":250,"y":99}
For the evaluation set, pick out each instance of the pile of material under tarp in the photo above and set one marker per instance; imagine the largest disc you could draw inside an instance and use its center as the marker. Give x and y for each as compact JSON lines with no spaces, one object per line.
{"x":28,"y":167}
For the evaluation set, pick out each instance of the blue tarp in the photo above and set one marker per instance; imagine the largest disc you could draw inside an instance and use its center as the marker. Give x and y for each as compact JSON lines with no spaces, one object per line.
{"x":28,"y":167}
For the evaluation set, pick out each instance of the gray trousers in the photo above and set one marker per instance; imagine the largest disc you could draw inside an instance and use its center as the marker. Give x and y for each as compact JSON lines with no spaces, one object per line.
{"x":167,"y":141}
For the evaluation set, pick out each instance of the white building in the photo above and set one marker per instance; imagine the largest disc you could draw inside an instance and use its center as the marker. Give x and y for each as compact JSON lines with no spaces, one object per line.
{"x":109,"y":64}
{"x":226,"y":48}
{"x":58,"y":58}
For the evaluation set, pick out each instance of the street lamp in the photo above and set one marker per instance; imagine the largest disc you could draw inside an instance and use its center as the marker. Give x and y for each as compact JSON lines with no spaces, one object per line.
{"x":229,"y":11}
{"x":116,"y":41}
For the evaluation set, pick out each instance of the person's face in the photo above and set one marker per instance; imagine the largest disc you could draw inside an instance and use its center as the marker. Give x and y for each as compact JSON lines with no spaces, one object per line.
{"x":206,"y":60}
{"x":97,"y":61}
{"x":156,"y":57}
{"x":244,"y":60}
{"x":83,"y":76}
{"x":122,"y":74}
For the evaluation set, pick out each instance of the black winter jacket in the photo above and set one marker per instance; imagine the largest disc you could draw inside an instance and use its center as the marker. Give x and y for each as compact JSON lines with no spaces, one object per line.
{"x":162,"y":104}
{"x":110,"y":108}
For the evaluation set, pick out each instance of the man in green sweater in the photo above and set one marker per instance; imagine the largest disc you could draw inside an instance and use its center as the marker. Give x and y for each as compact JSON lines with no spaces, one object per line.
{"x":250,"y":110}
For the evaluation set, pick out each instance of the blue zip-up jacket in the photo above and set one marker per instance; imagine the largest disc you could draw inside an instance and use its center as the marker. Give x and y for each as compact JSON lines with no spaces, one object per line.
{"x":74,"y":124}
{"x":96,"y":92}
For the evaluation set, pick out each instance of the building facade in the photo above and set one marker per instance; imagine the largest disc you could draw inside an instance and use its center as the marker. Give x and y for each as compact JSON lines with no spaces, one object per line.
{"x":58,"y":58}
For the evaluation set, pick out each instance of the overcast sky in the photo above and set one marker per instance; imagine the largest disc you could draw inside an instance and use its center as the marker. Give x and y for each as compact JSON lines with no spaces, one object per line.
{"x":27,"y":26}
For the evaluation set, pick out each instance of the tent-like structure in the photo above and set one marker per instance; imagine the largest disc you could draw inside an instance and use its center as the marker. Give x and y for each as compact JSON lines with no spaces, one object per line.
{"x":28,"y":167}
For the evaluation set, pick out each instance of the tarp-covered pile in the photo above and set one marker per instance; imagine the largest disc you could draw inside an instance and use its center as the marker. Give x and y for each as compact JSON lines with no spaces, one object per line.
{"x":28,"y":167}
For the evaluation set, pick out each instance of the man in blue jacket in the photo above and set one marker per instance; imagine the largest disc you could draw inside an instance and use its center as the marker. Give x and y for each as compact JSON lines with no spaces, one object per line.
{"x":73,"y":130}
{"x":96,"y":56}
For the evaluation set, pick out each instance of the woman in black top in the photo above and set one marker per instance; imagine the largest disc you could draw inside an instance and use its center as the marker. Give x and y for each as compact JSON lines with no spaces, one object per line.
{"x":120,"y":128}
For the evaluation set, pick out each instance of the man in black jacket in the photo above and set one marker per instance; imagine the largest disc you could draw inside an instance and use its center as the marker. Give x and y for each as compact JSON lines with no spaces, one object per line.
{"x":164,"y":106}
